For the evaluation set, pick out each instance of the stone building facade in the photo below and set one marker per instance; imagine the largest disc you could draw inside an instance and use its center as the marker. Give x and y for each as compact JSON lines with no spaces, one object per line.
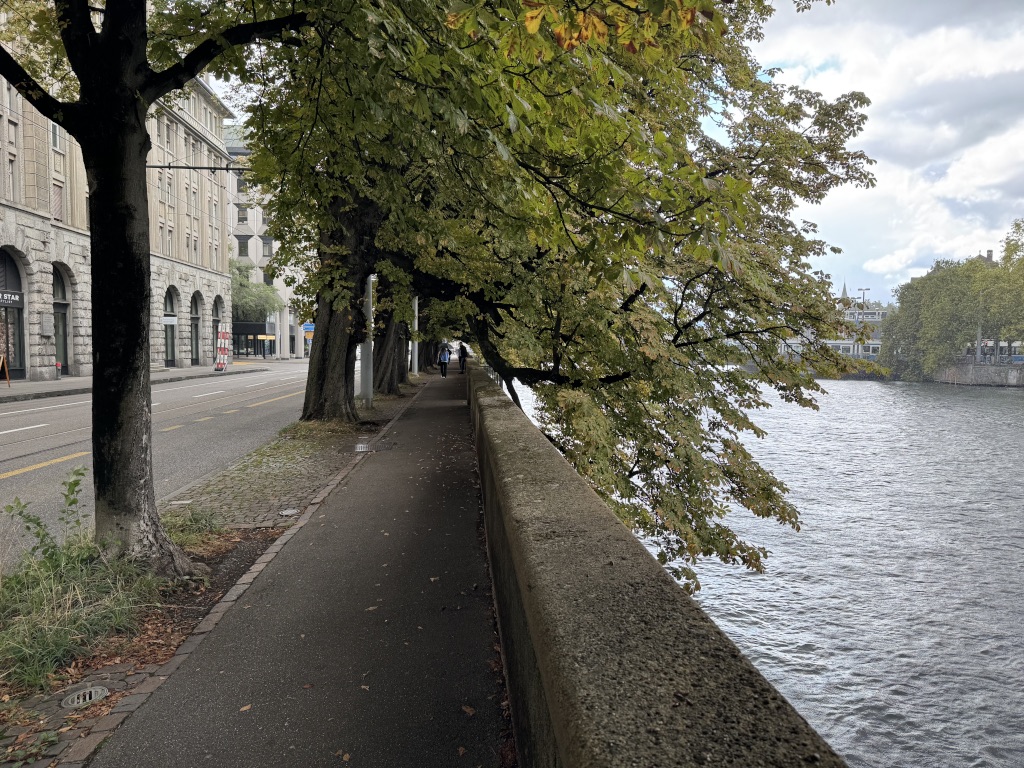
{"x":45,"y":264}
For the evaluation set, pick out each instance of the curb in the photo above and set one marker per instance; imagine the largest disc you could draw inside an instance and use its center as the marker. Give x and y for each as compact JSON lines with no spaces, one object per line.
{"x":83,"y":748}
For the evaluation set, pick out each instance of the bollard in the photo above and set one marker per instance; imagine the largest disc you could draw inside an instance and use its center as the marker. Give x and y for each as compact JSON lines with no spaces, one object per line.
{"x":58,"y":370}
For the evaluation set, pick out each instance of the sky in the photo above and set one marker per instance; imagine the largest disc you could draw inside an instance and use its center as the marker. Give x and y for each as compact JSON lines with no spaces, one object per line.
{"x":946,"y":127}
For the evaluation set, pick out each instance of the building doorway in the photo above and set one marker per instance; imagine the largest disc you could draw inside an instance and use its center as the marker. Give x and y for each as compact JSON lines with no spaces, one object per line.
{"x":12,"y":316}
{"x":170,"y":324}
{"x":195,"y":313}
{"x":61,"y":310}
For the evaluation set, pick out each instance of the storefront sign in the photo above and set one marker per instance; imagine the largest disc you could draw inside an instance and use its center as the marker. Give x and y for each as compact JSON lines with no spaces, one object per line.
{"x":169,"y":320}
{"x":12,"y":299}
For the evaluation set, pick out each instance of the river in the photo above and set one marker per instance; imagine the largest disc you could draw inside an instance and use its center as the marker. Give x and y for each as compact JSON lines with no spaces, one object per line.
{"x":894,"y":621}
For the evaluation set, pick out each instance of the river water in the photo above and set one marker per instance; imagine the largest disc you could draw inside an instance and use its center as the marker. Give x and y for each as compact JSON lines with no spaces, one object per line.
{"x":894,"y":621}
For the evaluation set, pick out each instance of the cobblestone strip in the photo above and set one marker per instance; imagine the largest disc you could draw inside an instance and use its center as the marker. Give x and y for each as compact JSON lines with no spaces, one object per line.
{"x":77,"y":745}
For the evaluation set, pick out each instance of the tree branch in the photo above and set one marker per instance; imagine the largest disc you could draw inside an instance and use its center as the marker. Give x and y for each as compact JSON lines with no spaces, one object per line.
{"x":61,"y":113}
{"x":76,"y":32}
{"x":177,"y":75}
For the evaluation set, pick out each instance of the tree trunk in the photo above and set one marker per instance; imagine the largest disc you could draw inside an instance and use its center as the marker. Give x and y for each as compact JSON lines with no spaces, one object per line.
{"x":403,"y":353}
{"x":126,"y":516}
{"x":347,"y":254}
{"x":386,"y":355}
{"x":330,"y":386}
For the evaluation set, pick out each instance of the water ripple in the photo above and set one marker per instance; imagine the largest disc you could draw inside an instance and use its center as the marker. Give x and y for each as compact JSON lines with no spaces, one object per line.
{"x":893,"y":621}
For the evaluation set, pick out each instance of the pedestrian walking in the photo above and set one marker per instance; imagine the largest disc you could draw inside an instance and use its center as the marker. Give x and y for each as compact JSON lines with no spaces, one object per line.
{"x":462,"y":357}
{"x":442,"y":360}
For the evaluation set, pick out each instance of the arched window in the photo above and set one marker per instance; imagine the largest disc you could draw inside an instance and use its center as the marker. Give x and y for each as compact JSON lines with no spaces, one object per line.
{"x":170,"y":323}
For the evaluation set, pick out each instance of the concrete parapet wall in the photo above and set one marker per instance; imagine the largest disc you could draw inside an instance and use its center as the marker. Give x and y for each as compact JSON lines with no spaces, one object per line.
{"x":609,"y":662}
{"x":982,"y":375}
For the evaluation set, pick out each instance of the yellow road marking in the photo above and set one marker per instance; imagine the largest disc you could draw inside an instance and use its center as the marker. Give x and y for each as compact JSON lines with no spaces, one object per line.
{"x":233,"y":410}
{"x":22,"y":471}
{"x":205,"y":418}
{"x":275,"y":399}
{"x":171,"y":429}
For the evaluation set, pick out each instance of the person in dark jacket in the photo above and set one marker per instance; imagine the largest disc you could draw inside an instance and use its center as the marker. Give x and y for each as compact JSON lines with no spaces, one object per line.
{"x":463,"y":354}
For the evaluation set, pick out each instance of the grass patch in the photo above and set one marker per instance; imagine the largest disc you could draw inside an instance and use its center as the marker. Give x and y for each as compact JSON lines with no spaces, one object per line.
{"x":55,"y":609}
{"x":191,"y":529}
{"x":64,"y":597}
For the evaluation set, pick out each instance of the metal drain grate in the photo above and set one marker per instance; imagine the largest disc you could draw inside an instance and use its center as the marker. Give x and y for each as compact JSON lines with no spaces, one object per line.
{"x":85,"y":697}
{"x":370,"y":447}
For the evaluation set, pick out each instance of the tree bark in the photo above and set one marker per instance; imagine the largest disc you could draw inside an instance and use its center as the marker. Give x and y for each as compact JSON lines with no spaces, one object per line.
{"x":386,"y":354}
{"x":403,"y":353}
{"x":348,"y":254}
{"x":115,"y":149}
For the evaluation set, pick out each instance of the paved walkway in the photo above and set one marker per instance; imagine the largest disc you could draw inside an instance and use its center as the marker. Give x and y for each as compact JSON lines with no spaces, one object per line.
{"x":367,"y":641}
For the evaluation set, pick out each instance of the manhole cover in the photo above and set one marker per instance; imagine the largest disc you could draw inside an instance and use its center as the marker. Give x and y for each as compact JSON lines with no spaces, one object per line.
{"x":85,"y":697}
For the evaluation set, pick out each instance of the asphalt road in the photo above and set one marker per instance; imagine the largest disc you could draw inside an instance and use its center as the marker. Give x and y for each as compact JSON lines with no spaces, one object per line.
{"x":199,"y":426}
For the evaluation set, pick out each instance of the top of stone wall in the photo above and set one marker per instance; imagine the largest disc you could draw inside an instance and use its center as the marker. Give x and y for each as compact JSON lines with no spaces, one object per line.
{"x":635,"y":673}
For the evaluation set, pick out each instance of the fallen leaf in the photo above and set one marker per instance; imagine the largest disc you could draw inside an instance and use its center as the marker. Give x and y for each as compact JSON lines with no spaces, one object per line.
{"x":462,"y":751}
{"x":372,"y":608}
{"x":345,"y":757}
{"x":246,"y":708}
{"x":468,"y":710}
{"x":308,"y":685}
{"x":435,"y":578}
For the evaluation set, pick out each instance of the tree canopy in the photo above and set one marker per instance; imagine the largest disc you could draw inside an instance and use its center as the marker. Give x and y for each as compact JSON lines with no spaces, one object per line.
{"x":251,"y":302}
{"x":946,"y":311}
{"x":604,"y":202}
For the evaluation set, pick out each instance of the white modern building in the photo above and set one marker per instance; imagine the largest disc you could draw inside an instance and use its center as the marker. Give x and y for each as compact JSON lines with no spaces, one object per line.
{"x":279,"y":335}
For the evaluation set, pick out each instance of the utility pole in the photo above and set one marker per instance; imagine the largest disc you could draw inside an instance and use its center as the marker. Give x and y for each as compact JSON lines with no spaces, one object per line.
{"x":366,"y":356}
{"x":415,"y":331}
{"x":863,"y":305}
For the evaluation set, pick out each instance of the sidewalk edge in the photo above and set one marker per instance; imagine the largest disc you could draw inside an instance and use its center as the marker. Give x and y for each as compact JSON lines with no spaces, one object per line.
{"x":83,"y":750}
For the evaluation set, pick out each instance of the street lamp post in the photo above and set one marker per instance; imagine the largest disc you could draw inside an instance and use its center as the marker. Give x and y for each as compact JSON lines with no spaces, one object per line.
{"x":863,"y":304}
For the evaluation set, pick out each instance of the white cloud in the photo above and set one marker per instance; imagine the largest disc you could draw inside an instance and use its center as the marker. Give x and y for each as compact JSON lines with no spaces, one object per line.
{"x":946,"y":80}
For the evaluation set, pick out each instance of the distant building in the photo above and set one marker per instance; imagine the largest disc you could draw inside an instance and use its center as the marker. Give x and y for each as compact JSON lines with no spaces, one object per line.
{"x":870,"y":315}
{"x":279,"y":335}
{"x":45,"y":262}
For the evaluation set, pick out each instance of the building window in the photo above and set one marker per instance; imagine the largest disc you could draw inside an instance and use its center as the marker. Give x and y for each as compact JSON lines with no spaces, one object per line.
{"x":243,"y":248}
{"x":243,"y":214}
{"x":57,"y":137}
{"x":268,"y":247}
{"x":11,"y":181}
{"x":243,"y":185}
{"x":169,"y":249}
{"x":57,"y":202}
{"x":12,"y":100}
{"x":268,"y":279}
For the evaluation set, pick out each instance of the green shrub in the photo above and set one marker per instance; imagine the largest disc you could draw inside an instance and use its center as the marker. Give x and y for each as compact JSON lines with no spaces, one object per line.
{"x":63,"y":597}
